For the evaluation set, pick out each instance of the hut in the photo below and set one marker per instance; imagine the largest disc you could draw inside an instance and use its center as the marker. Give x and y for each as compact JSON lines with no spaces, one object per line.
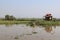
{"x":48,"y":17}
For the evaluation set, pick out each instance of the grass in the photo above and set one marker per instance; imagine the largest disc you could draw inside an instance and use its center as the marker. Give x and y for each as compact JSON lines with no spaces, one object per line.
{"x":14,"y":22}
{"x":47,"y":23}
{"x":40,"y":22}
{"x":51,"y":23}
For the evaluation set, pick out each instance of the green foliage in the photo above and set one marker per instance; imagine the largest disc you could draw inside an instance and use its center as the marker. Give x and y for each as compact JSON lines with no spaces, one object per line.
{"x":8,"y":17}
{"x":12,"y":20}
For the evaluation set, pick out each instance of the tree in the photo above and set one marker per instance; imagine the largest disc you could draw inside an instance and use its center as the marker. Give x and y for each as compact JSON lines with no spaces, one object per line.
{"x":12,"y":18}
{"x":6,"y":17}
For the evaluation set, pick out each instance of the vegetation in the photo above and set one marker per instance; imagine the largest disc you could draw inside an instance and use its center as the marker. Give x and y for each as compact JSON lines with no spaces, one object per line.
{"x":8,"y":17}
{"x":13,"y":22}
{"x":46,"y":23}
{"x":30,"y":21}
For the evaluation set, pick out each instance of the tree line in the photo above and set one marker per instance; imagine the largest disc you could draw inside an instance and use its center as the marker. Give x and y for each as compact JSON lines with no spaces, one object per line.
{"x":8,"y":17}
{"x":11,"y":17}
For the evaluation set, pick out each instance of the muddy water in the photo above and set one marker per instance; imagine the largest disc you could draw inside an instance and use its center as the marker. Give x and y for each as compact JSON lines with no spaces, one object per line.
{"x":24,"y":32}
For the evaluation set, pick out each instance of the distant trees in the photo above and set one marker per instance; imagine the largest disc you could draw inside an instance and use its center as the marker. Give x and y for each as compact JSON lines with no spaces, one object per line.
{"x":8,"y":17}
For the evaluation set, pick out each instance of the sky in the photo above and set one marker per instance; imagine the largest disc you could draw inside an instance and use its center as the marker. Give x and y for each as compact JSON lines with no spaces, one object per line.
{"x":29,"y":8}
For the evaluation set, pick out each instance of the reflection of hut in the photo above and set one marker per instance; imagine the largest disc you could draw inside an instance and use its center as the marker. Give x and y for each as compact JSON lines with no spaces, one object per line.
{"x":48,"y":29}
{"x":48,"y":17}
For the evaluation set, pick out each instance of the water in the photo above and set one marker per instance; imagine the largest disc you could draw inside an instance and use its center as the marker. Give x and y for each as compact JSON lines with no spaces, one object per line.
{"x":24,"y":32}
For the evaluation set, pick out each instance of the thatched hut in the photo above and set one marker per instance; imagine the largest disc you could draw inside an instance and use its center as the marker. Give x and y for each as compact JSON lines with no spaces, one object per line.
{"x":48,"y":17}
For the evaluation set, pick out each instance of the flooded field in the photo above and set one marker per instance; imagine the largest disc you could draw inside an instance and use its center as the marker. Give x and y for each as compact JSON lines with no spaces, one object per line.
{"x":24,"y":32}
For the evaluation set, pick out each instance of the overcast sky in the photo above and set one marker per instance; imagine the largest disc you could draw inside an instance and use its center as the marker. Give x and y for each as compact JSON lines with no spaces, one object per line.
{"x":30,"y":8}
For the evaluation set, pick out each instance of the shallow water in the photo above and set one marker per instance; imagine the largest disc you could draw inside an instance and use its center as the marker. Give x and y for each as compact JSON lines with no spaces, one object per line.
{"x":24,"y":32}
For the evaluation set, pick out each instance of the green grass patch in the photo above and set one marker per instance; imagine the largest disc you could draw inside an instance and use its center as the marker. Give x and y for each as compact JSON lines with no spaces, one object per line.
{"x":14,"y":22}
{"x":40,"y":22}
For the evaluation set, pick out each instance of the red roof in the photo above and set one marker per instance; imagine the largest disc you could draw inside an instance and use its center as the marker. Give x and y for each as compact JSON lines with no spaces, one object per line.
{"x":48,"y":14}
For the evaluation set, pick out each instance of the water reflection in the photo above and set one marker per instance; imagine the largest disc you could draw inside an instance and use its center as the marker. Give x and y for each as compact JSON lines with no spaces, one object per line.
{"x":16,"y":37}
{"x":54,"y":27}
{"x":48,"y":29}
{"x":8,"y":25}
{"x":34,"y":29}
{"x":23,"y":32}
